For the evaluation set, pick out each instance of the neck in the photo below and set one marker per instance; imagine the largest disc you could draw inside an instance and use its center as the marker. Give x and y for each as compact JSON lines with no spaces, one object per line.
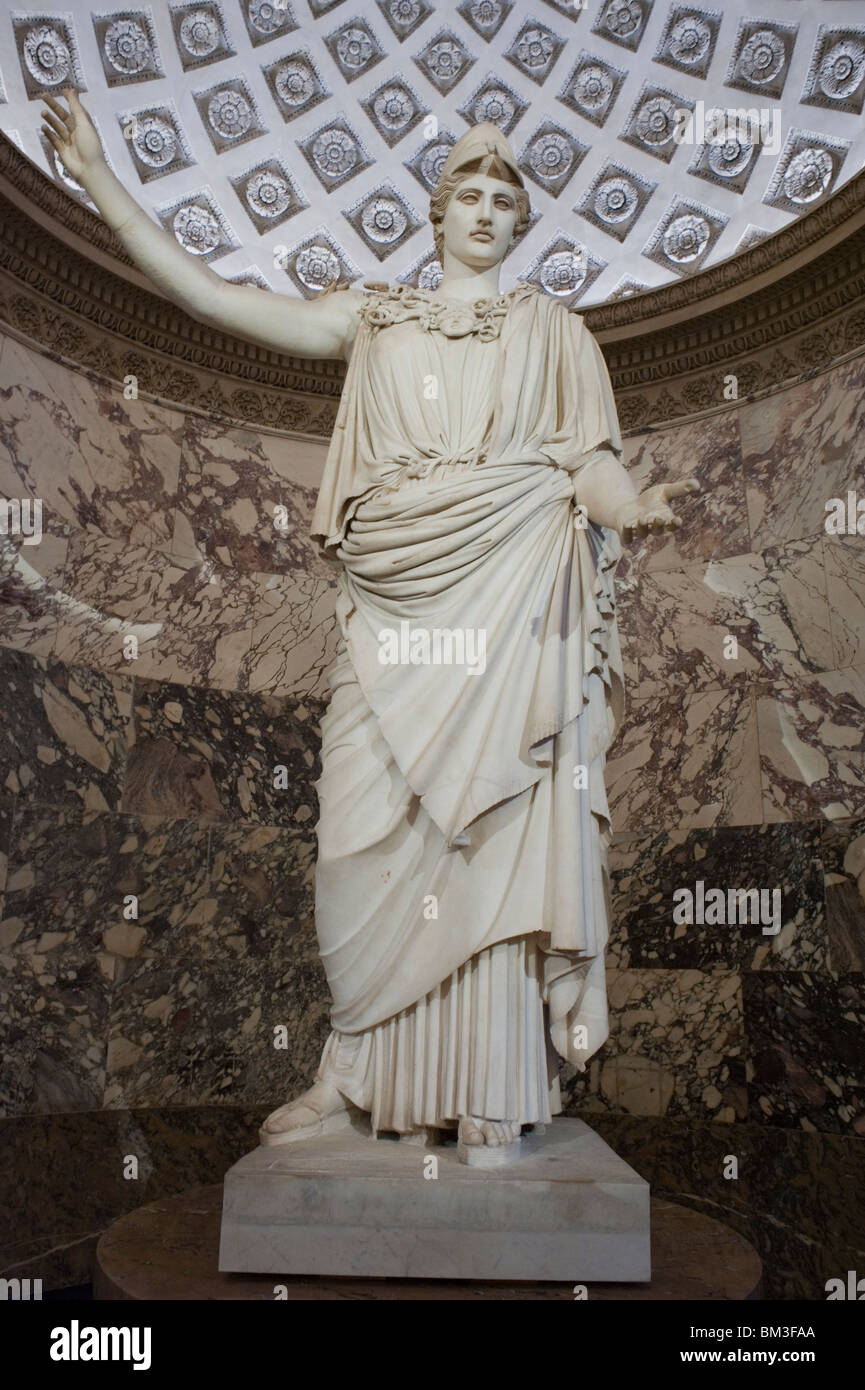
{"x":460,"y":281}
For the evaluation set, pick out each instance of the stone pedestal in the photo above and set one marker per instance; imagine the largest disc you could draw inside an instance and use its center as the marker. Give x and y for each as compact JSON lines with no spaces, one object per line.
{"x":169,"y":1250}
{"x":567,"y":1209}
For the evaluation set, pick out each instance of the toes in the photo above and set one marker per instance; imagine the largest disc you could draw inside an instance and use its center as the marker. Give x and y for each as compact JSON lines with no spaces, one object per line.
{"x":273,"y":1123}
{"x":470,"y":1131}
{"x":493,"y":1133}
{"x":497,"y":1132}
{"x":295,"y":1115}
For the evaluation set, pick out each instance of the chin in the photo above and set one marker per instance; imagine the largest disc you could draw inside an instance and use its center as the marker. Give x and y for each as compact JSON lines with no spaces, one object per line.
{"x":483,"y":252}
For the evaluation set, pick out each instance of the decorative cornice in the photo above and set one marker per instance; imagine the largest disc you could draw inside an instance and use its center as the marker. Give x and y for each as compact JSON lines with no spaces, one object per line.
{"x":37,"y":191}
{"x":793,"y":328}
{"x":786,"y":308}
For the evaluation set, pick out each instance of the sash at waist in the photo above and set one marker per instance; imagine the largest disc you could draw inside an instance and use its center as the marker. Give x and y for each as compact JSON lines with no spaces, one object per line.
{"x":420,"y":466}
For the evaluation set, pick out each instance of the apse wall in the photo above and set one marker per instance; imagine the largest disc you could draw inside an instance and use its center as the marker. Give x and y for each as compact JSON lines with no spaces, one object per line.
{"x":175,"y":779}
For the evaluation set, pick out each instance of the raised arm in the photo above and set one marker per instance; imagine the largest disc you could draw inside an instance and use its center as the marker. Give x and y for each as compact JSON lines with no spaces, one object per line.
{"x":321,"y":328}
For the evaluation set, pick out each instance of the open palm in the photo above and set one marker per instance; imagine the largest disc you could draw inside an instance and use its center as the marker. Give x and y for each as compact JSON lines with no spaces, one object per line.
{"x":650,"y":511}
{"x":72,"y":133}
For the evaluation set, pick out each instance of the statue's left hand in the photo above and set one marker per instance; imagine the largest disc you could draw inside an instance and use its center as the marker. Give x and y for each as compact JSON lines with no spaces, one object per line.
{"x":650,"y":513}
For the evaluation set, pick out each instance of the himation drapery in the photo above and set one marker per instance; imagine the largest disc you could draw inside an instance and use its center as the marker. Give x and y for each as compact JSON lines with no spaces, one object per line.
{"x":462,"y":892}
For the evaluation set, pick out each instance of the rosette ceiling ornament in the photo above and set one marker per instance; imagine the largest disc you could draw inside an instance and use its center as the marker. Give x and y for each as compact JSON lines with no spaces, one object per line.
{"x":293,"y":143}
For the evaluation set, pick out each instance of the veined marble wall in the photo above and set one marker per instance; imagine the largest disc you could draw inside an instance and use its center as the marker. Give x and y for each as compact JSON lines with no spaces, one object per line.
{"x":154,"y":777}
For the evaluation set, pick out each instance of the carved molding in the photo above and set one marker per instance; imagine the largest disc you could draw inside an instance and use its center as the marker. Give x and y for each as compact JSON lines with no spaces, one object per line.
{"x":795,"y":327}
{"x":787,"y":324}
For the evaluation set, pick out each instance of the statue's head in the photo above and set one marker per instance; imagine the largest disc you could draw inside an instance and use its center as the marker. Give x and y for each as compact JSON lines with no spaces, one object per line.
{"x":480,"y":202}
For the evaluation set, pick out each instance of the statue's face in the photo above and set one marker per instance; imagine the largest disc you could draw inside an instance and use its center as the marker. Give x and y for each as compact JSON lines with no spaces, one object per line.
{"x":479,"y":221}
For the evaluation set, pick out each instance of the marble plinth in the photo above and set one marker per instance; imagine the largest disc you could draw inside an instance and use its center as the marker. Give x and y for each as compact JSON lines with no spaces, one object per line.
{"x":169,"y":1249}
{"x":568,"y":1208}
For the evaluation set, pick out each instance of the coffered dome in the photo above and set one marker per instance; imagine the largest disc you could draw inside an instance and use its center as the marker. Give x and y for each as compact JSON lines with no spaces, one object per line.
{"x":294,"y":144}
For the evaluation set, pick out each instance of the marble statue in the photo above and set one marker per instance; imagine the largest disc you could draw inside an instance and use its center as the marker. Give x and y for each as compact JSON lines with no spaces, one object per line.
{"x":475,"y":503}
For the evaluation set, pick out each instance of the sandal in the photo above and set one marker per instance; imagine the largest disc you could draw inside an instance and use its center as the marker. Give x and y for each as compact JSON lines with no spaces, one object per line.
{"x":325,"y":1124}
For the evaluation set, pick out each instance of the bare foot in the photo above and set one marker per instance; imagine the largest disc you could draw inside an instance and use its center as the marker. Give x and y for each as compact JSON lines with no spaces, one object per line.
{"x":475,"y":1131}
{"x":319,"y":1110}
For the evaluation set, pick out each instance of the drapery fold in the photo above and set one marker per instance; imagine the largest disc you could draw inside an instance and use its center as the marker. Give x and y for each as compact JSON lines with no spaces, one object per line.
{"x":538,"y":393}
{"x":442,"y":554}
{"x":475,"y":1045}
{"x":462,"y":808}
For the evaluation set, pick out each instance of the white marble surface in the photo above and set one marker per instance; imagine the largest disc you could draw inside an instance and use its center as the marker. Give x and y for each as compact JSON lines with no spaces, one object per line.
{"x":569,"y":1209}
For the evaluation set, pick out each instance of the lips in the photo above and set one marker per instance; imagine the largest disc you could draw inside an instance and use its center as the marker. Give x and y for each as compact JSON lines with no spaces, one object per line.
{"x":482,"y":236}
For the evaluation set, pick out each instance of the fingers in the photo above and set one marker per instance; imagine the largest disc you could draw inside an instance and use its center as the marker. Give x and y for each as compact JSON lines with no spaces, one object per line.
{"x":653,"y":523}
{"x":52,"y":122}
{"x":55,"y":105}
{"x":657,"y":516}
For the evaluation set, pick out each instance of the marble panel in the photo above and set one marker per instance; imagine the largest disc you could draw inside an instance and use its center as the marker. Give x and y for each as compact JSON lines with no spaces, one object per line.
{"x":294,"y":636}
{"x":806,"y":1063}
{"x":646,"y":872}
{"x":675,"y":1048}
{"x":800,"y":448}
{"x":54,"y":1000}
{"x":774,"y":605}
{"x":845,"y":894}
{"x":714,"y":521}
{"x":216,"y":755}
{"x":112,"y":593}
{"x":246,"y":500}
{"x":639,"y":889}
{"x":7,"y":815}
{"x":64,"y":736}
{"x":845,"y":591}
{"x":685,"y":760}
{"x":99,"y":462}
{"x":812,"y":746}
{"x":261,"y":892}
{"x":192,"y":620}
{"x":68,"y":1174}
{"x":796,"y":1196}
{"x":74,"y":873}
{"x":31,"y":585}
{"x":180,"y":1035}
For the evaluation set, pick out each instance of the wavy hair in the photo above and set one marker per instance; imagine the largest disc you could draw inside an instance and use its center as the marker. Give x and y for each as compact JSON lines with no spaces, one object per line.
{"x":447,"y":186}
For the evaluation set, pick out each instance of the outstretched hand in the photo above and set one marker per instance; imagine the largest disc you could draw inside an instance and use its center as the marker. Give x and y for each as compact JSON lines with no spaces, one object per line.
{"x":72,"y":134}
{"x":649,"y":513}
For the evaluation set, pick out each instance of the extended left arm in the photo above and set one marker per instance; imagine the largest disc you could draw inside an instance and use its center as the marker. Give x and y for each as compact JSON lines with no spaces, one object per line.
{"x":610,"y":499}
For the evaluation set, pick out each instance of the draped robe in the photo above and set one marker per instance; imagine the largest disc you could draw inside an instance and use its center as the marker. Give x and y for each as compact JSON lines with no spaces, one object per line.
{"x":462,"y":893}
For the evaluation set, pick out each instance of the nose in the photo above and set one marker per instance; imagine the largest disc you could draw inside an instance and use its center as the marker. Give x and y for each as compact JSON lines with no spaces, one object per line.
{"x":485,"y":209}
